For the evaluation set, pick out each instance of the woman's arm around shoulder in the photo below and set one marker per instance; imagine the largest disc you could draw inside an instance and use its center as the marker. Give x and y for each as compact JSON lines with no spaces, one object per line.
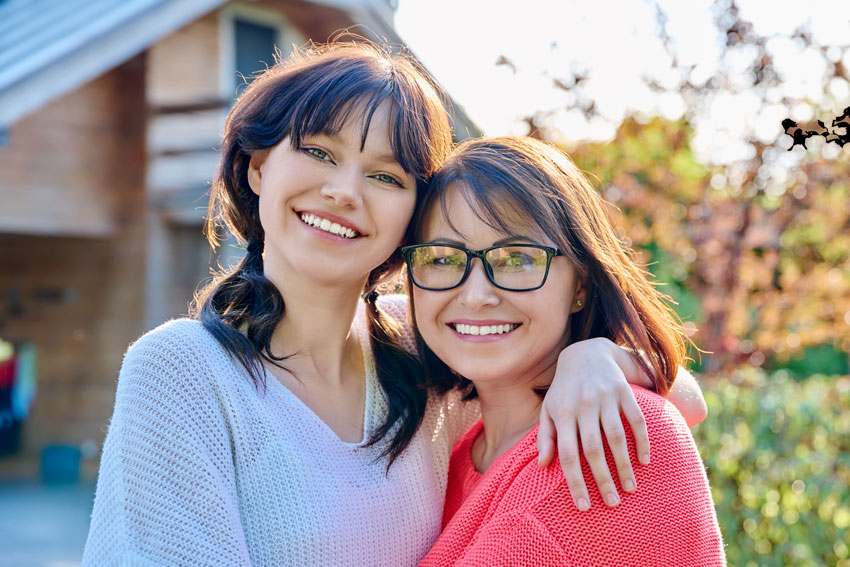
{"x":166,"y":486}
{"x":589,"y":392}
{"x":670,"y":520}
{"x":687,"y":396}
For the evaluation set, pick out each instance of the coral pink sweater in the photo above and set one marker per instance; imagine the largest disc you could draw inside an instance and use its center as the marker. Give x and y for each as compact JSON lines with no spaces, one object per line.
{"x":519,"y":514}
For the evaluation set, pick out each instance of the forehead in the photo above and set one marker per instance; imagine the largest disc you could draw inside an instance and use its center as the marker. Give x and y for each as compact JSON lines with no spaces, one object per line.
{"x":458,"y":213}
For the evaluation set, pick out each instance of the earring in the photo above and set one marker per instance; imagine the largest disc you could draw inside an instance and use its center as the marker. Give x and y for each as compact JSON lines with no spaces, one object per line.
{"x":578,"y":303}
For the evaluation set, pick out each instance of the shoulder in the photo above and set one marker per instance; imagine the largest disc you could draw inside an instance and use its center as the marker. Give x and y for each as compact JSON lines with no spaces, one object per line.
{"x":663,"y":421}
{"x":173,"y":333}
{"x":173,"y":340}
{"x":173,"y":355}
{"x":673,"y":452}
{"x":396,"y":306}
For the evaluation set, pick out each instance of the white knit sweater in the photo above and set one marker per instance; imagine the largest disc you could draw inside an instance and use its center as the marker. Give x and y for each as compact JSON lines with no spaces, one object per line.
{"x":201,"y":468}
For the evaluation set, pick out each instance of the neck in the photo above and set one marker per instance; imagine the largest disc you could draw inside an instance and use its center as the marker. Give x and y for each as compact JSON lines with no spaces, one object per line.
{"x":316,"y":328}
{"x":509,"y":409}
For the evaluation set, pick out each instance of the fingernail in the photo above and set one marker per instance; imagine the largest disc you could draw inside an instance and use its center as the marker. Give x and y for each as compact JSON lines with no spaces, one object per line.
{"x":583,"y":505}
{"x":612,"y":499}
{"x":644,"y":459}
{"x":629,"y":486}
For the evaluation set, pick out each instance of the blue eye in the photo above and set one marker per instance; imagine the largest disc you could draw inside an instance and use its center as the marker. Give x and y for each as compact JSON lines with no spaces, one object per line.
{"x":389,"y":179}
{"x":321,"y":155}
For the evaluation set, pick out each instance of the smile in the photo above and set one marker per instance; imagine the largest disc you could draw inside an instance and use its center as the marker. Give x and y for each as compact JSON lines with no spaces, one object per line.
{"x":478,"y":330}
{"x":328,"y":226}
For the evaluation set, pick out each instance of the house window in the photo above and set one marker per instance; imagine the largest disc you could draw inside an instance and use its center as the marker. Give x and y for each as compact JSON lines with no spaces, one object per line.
{"x":249,"y":38}
{"x":254,"y":45}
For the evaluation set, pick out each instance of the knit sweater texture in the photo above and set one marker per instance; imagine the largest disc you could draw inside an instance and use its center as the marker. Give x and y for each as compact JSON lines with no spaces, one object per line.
{"x":517,"y":514}
{"x":202,"y":468}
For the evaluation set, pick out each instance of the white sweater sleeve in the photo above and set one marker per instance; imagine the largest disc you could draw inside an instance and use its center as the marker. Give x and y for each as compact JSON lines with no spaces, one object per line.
{"x":166,"y":492}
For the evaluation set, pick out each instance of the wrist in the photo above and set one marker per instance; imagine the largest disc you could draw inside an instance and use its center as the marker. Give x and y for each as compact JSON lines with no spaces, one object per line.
{"x":595,"y":344}
{"x":624,"y":359}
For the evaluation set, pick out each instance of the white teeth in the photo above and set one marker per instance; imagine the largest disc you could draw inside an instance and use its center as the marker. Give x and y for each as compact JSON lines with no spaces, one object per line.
{"x":484,"y":329}
{"x":327,"y":226}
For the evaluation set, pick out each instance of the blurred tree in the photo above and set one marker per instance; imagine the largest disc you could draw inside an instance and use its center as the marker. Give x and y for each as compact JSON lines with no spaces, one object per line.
{"x":755,"y":249}
{"x":758,"y":277}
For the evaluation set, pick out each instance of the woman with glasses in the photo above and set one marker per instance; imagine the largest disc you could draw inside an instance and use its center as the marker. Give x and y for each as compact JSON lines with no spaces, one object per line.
{"x":518,"y":262}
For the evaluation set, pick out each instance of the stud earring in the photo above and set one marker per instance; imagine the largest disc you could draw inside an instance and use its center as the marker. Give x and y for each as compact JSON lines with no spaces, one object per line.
{"x":578,"y":303}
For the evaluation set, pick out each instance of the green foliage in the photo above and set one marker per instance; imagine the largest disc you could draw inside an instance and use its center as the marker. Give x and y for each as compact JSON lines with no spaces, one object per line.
{"x":778,"y":457}
{"x":824,"y":359}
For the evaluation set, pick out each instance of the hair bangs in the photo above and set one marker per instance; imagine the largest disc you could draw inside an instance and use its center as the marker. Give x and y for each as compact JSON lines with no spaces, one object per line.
{"x":330,"y":103}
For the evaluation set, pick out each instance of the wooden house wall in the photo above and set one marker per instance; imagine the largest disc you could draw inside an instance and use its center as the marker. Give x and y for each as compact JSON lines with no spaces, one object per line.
{"x":76,"y":167}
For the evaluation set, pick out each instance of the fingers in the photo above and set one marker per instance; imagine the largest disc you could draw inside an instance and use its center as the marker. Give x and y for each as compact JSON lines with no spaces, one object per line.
{"x":570,"y":459}
{"x":615,"y":434}
{"x":637,"y":422}
{"x":594,"y":452}
{"x":545,"y":439}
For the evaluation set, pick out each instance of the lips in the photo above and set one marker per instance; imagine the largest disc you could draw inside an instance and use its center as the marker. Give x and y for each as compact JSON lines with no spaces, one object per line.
{"x":329,"y":223}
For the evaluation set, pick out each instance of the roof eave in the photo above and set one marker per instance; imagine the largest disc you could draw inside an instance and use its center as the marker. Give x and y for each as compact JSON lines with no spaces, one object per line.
{"x":65,"y":72}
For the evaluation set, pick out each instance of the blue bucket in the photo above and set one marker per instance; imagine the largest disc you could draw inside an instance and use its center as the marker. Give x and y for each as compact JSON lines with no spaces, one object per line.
{"x":60,"y":464}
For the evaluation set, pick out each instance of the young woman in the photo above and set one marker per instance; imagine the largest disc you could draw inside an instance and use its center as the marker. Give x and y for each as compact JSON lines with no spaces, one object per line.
{"x":519,"y":261}
{"x":289,"y":422}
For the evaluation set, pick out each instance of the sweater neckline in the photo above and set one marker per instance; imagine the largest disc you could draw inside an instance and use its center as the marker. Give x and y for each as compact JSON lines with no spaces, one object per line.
{"x":466,"y":444}
{"x":360,"y":328}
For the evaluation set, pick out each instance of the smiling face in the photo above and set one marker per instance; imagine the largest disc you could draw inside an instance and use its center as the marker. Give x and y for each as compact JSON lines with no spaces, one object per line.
{"x":523,"y":331}
{"x":331,"y":210}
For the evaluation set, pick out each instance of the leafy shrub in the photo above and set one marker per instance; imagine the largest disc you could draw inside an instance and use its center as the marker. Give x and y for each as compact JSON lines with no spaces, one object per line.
{"x":777,"y":452}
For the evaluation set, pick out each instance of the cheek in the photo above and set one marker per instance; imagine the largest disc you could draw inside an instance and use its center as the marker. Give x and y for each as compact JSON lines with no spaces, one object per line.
{"x":265,"y":209}
{"x":428,"y":307}
{"x":402,"y":213}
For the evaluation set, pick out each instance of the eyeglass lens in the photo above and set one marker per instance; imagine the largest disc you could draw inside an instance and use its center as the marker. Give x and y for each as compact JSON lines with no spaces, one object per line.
{"x":511,"y":267}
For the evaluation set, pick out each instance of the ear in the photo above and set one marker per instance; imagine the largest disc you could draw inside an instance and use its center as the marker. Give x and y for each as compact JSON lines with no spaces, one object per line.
{"x":255,"y":170}
{"x":579,"y":298}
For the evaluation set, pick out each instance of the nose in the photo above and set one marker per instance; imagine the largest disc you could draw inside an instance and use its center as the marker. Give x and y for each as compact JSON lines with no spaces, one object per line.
{"x":344,"y":187}
{"x":477,"y":292}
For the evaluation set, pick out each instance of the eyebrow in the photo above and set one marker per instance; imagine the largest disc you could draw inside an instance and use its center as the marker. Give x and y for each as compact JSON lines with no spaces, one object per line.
{"x":510,"y":239}
{"x":384,"y":159}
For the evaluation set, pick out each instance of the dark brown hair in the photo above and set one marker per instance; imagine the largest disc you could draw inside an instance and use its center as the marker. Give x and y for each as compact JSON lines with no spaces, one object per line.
{"x":316,"y":91}
{"x":512,"y":179}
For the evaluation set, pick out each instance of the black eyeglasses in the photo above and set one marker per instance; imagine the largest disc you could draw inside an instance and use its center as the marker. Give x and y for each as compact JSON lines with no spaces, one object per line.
{"x":512,"y":267}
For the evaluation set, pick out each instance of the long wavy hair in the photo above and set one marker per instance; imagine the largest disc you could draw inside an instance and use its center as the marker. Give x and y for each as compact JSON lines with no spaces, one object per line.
{"x":508,"y":179}
{"x":316,"y":91}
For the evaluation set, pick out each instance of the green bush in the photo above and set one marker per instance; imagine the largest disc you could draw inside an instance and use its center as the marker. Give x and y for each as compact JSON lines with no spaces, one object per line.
{"x":777,"y":452}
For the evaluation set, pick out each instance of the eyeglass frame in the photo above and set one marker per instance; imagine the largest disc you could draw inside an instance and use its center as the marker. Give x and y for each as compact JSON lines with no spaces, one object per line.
{"x":551,"y":252}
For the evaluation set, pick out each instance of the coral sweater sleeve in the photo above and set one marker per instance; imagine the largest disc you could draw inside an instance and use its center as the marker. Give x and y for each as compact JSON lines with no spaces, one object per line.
{"x":518,"y":514}
{"x":515,"y":539}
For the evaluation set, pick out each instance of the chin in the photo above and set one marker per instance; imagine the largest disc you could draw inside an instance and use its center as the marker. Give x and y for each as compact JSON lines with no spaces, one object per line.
{"x":482,"y":375}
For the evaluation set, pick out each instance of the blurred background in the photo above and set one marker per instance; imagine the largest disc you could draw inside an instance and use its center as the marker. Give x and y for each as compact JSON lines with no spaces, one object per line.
{"x":110,"y":113}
